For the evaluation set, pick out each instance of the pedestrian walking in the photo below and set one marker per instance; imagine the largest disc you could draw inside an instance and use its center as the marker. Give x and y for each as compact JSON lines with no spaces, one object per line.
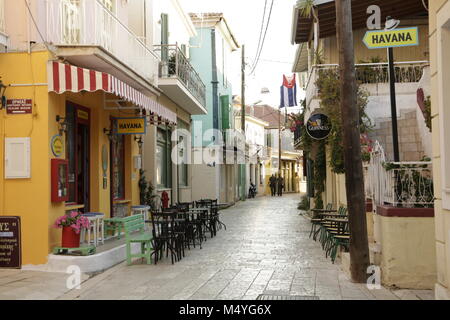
{"x":280,"y":185}
{"x":273,"y":184}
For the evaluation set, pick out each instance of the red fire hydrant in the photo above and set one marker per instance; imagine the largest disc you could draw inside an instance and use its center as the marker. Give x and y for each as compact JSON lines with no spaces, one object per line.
{"x":165,"y":199}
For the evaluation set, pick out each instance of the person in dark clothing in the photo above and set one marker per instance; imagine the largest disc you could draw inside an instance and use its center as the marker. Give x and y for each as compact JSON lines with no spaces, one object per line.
{"x":273,"y":184}
{"x":280,"y":185}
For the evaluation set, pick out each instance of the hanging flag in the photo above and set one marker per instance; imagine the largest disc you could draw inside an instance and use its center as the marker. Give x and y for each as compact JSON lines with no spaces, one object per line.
{"x":288,"y":92}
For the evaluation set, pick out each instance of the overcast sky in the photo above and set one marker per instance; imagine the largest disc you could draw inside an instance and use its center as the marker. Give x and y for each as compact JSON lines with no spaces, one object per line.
{"x":244,"y":18}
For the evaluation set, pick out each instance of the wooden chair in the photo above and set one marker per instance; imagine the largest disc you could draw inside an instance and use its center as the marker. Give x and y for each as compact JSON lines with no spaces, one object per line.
{"x":135,"y":233}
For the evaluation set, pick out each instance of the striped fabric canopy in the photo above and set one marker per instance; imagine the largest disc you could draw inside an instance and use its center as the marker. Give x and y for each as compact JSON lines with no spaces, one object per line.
{"x":65,"y":77}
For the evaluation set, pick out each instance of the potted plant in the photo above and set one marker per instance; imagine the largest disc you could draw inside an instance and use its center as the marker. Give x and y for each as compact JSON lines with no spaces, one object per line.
{"x":71,"y":224}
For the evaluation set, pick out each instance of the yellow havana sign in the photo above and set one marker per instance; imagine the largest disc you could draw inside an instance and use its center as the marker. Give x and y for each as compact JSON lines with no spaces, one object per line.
{"x":130,"y":125}
{"x":403,"y":37}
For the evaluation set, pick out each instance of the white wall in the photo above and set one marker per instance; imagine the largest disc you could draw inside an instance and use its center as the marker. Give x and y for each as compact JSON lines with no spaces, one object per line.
{"x":178,"y":32}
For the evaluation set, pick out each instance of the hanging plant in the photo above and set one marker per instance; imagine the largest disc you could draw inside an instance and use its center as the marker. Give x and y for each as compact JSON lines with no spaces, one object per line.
{"x":328,"y":86}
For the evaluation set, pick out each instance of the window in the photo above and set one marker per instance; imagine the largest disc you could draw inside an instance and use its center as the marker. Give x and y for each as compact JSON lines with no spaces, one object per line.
{"x":163,"y":163}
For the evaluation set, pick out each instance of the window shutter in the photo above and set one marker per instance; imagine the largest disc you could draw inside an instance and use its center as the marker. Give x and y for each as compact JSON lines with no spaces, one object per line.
{"x":164,"y":36}
{"x":225,"y":102}
{"x":17,"y":158}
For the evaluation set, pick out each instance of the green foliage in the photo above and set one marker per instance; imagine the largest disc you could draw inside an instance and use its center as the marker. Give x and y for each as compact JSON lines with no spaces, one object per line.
{"x":306,"y":8}
{"x":145,"y":190}
{"x":328,"y":85}
{"x":304,"y":203}
{"x":427,"y":112}
{"x":320,"y":174}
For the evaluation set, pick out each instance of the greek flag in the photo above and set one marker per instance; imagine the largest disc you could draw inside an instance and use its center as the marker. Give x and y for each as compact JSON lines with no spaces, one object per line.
{"x":288,"y":92}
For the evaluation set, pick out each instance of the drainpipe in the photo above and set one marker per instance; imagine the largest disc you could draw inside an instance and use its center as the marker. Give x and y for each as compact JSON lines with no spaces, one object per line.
{"x":215,"y":89}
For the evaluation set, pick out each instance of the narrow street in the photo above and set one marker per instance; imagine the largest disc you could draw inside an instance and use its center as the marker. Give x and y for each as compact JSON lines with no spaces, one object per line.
{"x":265,"y":250}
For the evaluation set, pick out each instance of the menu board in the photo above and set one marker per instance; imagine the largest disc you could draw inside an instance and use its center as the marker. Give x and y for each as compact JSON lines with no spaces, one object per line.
{"x":10,"y":243}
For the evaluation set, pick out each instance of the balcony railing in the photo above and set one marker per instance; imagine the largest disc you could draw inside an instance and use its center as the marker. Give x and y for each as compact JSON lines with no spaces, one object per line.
{"x":90,"y":23}
{"x":369,"y":73}
{"x":174,"y":64}
{"x":406,"y":184}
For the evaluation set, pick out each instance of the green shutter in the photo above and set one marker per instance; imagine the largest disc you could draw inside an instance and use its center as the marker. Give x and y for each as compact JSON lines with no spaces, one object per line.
{"x":225,"y":102}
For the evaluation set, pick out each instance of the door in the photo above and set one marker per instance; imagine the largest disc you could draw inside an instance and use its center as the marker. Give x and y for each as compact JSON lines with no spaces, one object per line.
{"x":78,"y":154}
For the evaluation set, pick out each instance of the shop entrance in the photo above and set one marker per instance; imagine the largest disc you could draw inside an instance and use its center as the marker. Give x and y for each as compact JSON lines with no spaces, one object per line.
{"x":77,"y":152}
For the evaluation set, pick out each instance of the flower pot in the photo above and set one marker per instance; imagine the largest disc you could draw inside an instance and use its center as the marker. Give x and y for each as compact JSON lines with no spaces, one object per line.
{"x":70,"y":239}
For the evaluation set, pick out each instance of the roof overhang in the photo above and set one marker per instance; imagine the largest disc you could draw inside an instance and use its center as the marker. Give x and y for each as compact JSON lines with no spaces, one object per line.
{"x":301,"y":58}
{"x":398,"y":9}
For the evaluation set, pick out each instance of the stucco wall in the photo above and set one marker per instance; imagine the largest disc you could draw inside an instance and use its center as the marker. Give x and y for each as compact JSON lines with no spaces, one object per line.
{"x":408,"y":258}
{"x":439,"y":14}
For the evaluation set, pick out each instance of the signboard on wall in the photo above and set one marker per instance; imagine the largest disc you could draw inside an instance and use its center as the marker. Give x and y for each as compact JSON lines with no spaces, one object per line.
{"x":134,"y":125}
{"x":10,"y":243}
{"x":19,"y":106}
{"x":57,"y":145}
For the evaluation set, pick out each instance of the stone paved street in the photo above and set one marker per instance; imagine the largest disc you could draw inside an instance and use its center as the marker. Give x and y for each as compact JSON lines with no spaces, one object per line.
{"x":265,"y":250}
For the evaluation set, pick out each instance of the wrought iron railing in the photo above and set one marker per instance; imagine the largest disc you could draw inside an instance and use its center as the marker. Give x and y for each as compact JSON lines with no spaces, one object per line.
{"x":369,"y":73}
{"x":405,"y":184}
{"x":175,"y":64}
{"x":90,"y":23}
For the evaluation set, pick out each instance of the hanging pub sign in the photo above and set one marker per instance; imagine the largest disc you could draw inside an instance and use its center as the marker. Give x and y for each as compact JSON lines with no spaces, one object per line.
{"x":19,"y":106}
{"x":318,"y":126}
{"x":10,"y":243}
{"x":134,"y":125}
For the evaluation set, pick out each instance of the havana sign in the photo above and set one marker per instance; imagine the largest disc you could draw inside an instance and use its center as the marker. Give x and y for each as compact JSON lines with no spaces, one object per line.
{"x":130,"y":125}
{"x":402,"y":37}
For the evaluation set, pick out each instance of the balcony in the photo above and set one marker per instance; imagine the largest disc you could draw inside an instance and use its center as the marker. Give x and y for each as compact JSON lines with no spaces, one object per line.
{"x":179,"y":80}
{"x":372,"y":76}
{"x":89,"y":35}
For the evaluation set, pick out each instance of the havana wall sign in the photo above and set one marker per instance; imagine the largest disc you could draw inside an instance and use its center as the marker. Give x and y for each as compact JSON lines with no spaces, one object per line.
{"x":318,"y":126}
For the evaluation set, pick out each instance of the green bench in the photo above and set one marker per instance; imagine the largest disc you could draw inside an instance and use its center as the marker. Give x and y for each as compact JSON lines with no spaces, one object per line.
{"x":135,"y":233}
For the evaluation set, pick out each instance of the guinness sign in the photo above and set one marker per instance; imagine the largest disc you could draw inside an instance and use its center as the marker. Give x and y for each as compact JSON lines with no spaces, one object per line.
{"x":318,"y":126}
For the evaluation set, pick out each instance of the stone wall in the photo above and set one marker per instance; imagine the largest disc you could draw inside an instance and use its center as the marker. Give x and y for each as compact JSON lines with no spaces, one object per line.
{"x":410,"y":140}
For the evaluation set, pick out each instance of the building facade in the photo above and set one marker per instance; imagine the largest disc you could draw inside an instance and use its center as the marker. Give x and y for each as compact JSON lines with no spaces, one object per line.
{"x":402,"y":263}
{"x":210,"y":54}
{"x":439,"y":37}
{"x":77,"y":102}
{"x":167,"y":149}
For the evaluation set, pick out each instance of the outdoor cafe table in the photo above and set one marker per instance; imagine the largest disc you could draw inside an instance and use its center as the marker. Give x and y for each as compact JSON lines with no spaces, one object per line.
{"x":332,"y":215}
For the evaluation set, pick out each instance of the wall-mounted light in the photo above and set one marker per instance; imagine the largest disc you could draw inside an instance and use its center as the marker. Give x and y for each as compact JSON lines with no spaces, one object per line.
{"x":62,"y":124}
{"x":2,"y":95}
{"x":139,"y":142}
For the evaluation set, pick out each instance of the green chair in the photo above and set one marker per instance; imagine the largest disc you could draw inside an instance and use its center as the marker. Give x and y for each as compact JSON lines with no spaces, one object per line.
{"x":315,"y":221}
{"x":135,"y":233}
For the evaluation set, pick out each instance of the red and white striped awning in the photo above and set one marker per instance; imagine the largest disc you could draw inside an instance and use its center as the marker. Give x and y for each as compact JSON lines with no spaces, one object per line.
{"x":65,"y":77}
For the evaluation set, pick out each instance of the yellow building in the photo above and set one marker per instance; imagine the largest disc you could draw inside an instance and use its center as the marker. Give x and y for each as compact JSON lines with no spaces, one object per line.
{"x":439,"y":38}
{"x":77,"y":96}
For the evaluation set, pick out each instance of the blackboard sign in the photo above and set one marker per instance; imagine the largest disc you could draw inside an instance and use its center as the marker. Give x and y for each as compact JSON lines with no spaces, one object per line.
{"x":318,"y":126}
{"x":10,"y":243}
